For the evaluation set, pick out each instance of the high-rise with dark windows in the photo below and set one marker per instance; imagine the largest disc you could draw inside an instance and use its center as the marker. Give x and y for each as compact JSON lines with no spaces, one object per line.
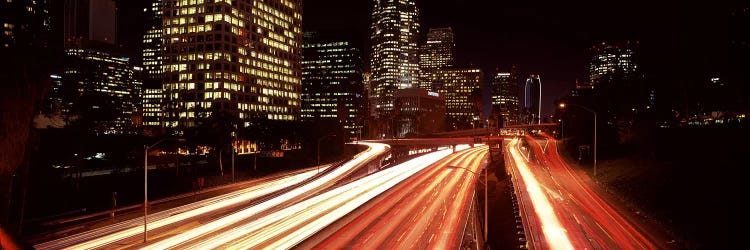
{"x":99,"y":89}
{"x":437,"y":52}
{"x":505,"y":97}
{"x":613,"y":62}
{"x":241,"y":57}
{"x":24,"y":23}
{"x":395,"y":50}
{"x":332,"y":83}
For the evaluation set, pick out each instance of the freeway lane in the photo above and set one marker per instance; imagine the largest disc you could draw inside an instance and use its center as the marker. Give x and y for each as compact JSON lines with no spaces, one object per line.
{"x":582,"y":207}
{"x":428,"y":211}
{"x":287,"y":227}
{"x":213,"y":226}
{"x":174,"y":221}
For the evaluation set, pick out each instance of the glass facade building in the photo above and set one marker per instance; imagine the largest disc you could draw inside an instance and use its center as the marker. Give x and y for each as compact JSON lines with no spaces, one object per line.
{"x":100,"y":88}
{"x":461,"y":89}
{"x":438,"y":52}
{"x":505,"y":97}
{"x":332,"y":82}
{"x":395,"y":51}
{"x":418,"y":112}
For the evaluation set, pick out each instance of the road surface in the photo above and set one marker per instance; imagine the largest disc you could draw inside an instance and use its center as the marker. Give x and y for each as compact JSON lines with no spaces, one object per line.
{"x":564,"y":208}
{"x":428,"y":211}
{"x":196,"y":216}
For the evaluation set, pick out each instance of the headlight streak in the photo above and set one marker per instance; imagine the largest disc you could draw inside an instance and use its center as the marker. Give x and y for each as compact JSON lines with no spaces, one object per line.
{"x":119,"y":231}
{"x":342,"y":200}
{"x":375,"y":149}
{"x":556,"y":237}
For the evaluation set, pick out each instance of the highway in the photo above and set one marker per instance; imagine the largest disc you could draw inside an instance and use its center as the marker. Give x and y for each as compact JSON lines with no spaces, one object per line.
{"x":427,"y":211}
{"x":288,"y":227}
{"x":196,"y":216}
{"x":563,"y":208}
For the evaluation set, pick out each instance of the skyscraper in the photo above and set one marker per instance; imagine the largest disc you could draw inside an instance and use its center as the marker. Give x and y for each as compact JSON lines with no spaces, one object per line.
{"x":463,"y":97}
{"x":153,"y":47}
{"x":418,"y":112}
{"x":89,"y":20}
{"x":438,"y":52}
{"x":240,"y":57}
{"x":532,"y":100}
{"x":332,"y":87}
{"x":505,"y":98}
{"x":613,"y":62}
{"x":395,"y":53}
{"x":24,"y":23}
{"x":99,"y":89}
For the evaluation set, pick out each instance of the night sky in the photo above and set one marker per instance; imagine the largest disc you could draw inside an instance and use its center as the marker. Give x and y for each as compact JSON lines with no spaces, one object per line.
{"x":680,"y":42}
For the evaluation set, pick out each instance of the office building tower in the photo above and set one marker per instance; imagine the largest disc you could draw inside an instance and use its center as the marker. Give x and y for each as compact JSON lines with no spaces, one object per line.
{"x":461,"y":89}
{"x":89,"y":20}
{"x":332,"y":84}
{"x":98,"y":89}
{"x":505,"y":97}
{"x":418,"y":112}
{"x":153,"y":47}
{"x":395,"y":53}
{"x":613,"y":63}
{"x":240,"y":57}
{"x":532,"y":99}
{"x":24,"y":23}
{"x":437,"y":53}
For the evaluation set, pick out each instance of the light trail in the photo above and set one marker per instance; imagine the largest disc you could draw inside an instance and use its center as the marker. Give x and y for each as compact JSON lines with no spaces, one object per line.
{"x":107,"y":235}
{"x":102,"y":236}
{"x":554,"y":232}
{"x":288,"y":227}
{"x":428,"y":211}
{"x":323,"y":181}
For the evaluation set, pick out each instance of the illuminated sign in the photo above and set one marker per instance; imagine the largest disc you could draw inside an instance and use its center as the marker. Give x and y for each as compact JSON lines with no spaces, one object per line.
{"x":435,"y":94}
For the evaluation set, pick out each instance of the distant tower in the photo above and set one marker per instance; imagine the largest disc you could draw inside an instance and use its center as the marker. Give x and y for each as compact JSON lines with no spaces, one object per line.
{"x":532,"y":101}
{"x":333,"y":94}
{"x":611,"y":63}
{"x":153,"y":46}
{"x":438,"y":52}
{"x":461,"y":88}
{"x":89,"y":20}
{"x":24,"y":23}
{"x":505,"y":96}
{"x":395,"y":53}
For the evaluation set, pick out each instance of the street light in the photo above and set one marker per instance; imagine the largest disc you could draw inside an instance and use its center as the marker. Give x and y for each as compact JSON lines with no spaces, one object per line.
{"x":320,"y":139}
{"x":563,"y":105}
{"x":145,"y":182}
{"x":485,"y":195}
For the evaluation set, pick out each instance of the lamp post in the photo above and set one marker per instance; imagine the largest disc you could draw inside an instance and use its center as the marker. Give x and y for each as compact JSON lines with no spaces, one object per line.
{"x":485,"y":195}
{"x":563,"y":105}
{"x":145,"y":183}
{"x":562,"y":130}
{"x":319,"y":140}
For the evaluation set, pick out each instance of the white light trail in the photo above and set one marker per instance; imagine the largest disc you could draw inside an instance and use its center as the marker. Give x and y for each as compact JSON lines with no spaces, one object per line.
{"x":375,"y":149}
{"x":129,"y":228}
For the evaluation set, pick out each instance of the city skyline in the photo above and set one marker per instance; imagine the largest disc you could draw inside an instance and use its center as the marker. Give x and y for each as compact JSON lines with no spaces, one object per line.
{"x":160,"y":124}
{"x":507,"y":41}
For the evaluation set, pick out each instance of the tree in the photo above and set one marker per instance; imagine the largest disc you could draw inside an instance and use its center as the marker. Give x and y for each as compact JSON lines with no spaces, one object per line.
{"x":217,"y":131}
